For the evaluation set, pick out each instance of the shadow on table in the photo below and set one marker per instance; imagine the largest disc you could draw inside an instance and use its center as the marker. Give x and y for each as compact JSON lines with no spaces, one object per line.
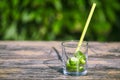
{"x":54,"y":60}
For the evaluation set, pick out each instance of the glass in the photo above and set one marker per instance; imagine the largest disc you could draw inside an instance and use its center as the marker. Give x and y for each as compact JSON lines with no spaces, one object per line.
{"x":74,"y":63}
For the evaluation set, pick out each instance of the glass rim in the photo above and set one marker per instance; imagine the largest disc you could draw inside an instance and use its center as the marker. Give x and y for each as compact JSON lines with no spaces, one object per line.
{"x":68,"y":41}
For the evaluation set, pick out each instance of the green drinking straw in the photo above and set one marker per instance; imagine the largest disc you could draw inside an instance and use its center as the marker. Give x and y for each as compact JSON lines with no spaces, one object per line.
{"x":86,"y":26}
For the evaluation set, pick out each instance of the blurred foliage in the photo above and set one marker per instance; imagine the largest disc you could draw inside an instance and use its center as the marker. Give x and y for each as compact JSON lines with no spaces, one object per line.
{"x":58,"y":20}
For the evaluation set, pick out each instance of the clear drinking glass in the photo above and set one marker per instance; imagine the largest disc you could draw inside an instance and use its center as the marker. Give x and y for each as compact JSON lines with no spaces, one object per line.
{"x":74,"y":63}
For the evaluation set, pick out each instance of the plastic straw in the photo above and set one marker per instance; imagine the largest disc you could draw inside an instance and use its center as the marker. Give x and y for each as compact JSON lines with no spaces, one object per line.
{"x":86,"y":26}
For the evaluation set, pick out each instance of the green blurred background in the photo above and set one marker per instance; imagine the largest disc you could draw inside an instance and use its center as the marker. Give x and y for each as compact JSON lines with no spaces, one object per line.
{"x":59,"y":20}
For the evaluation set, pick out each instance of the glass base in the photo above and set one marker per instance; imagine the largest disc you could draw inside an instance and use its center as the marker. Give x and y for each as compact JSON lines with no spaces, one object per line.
{"x":65,"y":72}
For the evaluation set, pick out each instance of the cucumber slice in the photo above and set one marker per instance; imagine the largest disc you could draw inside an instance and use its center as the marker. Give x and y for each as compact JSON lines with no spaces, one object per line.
{"x":80,"y":55}
{"x":81,"y":68}
{"x":74,"y":61}
{"x":82,"y":61}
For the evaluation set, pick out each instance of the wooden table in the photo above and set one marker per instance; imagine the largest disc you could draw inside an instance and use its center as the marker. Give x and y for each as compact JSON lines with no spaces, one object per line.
{"x":40,"y":60}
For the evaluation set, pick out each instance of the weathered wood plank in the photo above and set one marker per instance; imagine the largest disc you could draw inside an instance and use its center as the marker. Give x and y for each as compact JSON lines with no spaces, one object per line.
{"x":28,"y":60}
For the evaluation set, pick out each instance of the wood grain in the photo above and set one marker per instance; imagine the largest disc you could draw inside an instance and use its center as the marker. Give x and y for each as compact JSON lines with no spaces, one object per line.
{"x":40,"y":60}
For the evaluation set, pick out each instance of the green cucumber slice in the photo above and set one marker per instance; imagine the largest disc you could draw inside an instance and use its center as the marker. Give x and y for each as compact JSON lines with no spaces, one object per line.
{"x":74,"y":61}
{"x":82,"y":61}
{"x":81,"y":68}
{"x":80,"y":55}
